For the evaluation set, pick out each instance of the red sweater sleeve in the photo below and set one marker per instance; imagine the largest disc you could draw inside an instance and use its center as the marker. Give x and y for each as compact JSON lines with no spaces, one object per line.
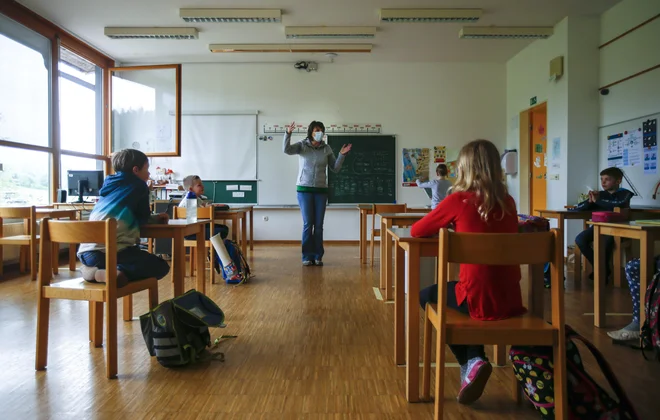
{"x":442,"y":216}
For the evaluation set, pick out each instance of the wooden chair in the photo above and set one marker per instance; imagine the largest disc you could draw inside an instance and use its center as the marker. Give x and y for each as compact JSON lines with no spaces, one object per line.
{"x":455,"y":328}
{"x":78,"y":289}
{"x":202,"y":213}
{"x":375,"y":229}
{"x":28,"y":239}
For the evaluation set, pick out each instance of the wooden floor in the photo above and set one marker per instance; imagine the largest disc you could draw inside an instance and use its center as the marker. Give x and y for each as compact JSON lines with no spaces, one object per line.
{"x":312,"y":342}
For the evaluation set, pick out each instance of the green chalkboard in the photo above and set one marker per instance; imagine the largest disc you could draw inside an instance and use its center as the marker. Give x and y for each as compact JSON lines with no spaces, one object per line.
{"x":217,"y":192}
{"x":369,"y":171}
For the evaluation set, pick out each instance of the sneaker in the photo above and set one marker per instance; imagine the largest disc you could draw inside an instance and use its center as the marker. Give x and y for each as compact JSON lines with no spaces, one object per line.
{"x":318,"y":262}
{"x":473,"y":386}
{"x":308,"y":263}
{"x":624,"y":335}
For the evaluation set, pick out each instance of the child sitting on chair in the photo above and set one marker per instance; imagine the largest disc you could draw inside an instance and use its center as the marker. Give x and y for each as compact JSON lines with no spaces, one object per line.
{"x":194,"y":183}
{"x":439,"y":187}
{"x":124,"y":196}
{"x":479,"y":203}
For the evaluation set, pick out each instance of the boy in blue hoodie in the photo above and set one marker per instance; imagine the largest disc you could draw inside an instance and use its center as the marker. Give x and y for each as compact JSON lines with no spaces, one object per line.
{"x":611,"y":197}
{"x":125,"y":197}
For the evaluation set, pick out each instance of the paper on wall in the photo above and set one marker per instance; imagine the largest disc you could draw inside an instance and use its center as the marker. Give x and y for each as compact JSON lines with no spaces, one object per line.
{"x":245,"y":187}
{"x":651,"y":160}
{"x":238,"y":194}
{"x":615,"y":150}
{"x":232,"y":187}
{"x":632,"y":148}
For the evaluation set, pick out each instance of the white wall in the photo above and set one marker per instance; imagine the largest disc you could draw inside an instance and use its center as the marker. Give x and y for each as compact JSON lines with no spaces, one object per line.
{"x":631,"y":54}
{"x":423,"y":104}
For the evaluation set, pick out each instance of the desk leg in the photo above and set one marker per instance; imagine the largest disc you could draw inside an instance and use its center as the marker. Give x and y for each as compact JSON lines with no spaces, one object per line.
{"x":616,"y":263}
{"x":244,"y":234}
{"x":646,"y":269}
{"x":387,"y":243}
{"x":179,"y":262}
{"x":128,"y":307}
{"x":399,"y":305}
{"x":252,"y":230}
{"x":201,"y":257}
{"x":599,"y":278}
{"x":234,"y":228}
{"x":382,"y":253}
{"x":363,"y":237}
{"x":412,"y":339}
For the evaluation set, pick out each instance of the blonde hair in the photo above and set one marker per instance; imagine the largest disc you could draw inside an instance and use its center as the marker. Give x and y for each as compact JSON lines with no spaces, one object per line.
{"x":190,"y":181}
{"x":480,"y":171}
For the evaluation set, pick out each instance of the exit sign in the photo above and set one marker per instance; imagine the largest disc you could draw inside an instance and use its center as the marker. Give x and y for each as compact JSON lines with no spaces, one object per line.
{"x":532,"y":101}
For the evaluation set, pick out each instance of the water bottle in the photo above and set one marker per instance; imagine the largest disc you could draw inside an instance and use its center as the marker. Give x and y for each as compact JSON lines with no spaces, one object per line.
{"x":191,"y":207}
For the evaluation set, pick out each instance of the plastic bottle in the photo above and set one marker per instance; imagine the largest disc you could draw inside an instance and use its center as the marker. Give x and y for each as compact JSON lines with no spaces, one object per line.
{"x":191,"y":207}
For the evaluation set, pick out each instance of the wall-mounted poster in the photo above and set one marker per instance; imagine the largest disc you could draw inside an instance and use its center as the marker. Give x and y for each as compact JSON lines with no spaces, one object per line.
{"x":415,"y":166}
{"x":439,"y":154}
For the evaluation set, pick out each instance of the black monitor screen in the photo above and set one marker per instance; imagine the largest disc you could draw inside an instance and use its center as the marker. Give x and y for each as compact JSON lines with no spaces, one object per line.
{"x":84,"y":183}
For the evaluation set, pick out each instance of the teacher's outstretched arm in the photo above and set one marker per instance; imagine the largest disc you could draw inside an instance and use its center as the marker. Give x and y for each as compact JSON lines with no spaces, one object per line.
{"x":334,"y":163}
{"x":288,"y":148}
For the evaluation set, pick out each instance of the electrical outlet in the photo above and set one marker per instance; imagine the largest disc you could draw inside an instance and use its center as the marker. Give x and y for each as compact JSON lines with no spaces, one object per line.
{"x":554,"y":177}
{"x":265,"y":218}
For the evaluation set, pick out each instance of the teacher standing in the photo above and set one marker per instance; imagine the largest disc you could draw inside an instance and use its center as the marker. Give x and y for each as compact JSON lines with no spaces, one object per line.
{"x":314,"y":157}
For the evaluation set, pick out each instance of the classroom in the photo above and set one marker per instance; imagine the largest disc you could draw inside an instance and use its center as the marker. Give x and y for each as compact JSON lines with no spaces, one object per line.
{"x":338,"y":210}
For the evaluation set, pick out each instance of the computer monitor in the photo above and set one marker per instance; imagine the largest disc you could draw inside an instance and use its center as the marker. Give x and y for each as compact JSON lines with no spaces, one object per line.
{"x":84,"y":183}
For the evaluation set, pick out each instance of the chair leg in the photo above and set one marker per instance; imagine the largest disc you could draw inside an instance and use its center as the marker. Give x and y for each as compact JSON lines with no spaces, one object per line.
{"x":499,"y":354}
{"x":33,"y":260}
{"x":211,"y":253}
{"x":439,"y":375}
{"x":96,"y":309}
{"x":372,"y":248}
{"x":192,"y":261}
{"x":426,"y":365}
{"x":111,"y":338}
{"x":561,"y":395}
{"x":515,"y":389}
{"x":72,"y":257}
{"x":153,"y":296}
{"x":90,"y":304}
{"x":43,"y":316}
{"x":22,"y":257}
{"x":128,"y":308}
{"x":150,"y":245}
{"x":56,"y":259}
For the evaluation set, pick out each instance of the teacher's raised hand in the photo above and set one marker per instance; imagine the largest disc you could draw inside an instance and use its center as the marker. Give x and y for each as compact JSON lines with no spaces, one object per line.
{"x":290,"y":128}
{"x":345,"y":149}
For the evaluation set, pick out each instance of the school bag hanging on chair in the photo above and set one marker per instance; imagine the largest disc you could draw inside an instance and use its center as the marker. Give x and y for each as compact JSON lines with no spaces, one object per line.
{"x":531,"y":224}
{"x":533,"y":368}
{"x":177,"y":330}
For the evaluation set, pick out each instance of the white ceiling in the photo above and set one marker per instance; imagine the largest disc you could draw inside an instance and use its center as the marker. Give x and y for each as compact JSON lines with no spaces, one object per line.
{"x":393,"y":41}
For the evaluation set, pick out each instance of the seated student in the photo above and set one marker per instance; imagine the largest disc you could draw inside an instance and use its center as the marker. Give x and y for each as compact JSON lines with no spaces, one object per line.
{"x":611,"y":197}
{"x":631,"y":331}
{"x":125,"y":197}
{"x":194,"y":183}
{"x":439,"y":187}
{"x":479,"y":203}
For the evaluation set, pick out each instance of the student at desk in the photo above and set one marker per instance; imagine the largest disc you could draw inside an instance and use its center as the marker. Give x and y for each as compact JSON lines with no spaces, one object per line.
{"x":479,"y":203}
{"x":611,"y":197}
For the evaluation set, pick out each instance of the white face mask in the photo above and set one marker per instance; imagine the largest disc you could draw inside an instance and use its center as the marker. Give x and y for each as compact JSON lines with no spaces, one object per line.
{"x":318,"y":136}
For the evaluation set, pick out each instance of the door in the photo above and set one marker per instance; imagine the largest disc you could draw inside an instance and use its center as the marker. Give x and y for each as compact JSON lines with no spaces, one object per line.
{"x":539,"y":157}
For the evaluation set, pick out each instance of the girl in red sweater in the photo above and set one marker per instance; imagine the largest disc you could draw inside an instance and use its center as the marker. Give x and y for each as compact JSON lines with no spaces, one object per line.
{"x":479,"y":203}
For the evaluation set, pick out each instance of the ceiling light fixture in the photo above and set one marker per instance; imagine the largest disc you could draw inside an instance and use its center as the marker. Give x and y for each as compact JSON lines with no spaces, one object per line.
{"x":501,"y":32}
{"x":301,"y":32}
{"x":430,"y":15}
{"x":290,"y":48}
{"x":151,"y":33}
{"x":231,"y":15}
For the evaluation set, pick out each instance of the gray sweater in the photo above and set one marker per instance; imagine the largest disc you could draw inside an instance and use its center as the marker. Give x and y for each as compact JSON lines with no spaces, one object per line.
{"x":313,"y":161}
{"x":439,"y":187}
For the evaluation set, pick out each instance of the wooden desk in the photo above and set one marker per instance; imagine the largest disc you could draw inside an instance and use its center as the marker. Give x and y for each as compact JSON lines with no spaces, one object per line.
{"x":562,"y":216}
{"x":237,"y":217}
{"x":388,"y":220}
{"x":54,"y":213}
{"x":646,"y":234}
{"x":250,"y":211}
{"x":78,"y":207}
{"x":366,"y":210}
{"x":412,"y":249}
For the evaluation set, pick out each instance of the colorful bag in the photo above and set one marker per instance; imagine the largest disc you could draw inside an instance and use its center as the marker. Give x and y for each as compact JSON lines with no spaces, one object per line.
{"x":533,"y":368}
{"x":531,"y":224}
{"x":242,"y":266}
{"x":651,"y":330}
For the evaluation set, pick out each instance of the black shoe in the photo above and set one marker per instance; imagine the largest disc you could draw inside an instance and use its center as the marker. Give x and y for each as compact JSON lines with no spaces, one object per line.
{"x":319,"y":263}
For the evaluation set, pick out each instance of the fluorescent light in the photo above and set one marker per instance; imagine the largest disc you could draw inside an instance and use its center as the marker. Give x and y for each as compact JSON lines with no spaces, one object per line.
{"x":501,"y":32}
{"x":231,"y":15}
{"x":151,"y":33}
{"x":430,"y":15}
{"x":290,"y":48}
{"x":330,"y":32}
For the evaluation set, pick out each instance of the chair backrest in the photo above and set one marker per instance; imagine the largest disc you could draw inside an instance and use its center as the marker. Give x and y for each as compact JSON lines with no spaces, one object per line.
{"x":386,"y":208}
{"x":77,"y":232}
{"x":506,"y":249}
{"x":202,"y":212}
{"x":27,"y":213}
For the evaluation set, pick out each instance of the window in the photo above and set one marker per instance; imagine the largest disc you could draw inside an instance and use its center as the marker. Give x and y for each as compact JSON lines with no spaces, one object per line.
{"x":25,"y":177}
{"x":80,"y":104}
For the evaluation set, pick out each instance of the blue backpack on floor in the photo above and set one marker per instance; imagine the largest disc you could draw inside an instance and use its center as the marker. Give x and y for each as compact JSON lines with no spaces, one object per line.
{"x":237,"y":257}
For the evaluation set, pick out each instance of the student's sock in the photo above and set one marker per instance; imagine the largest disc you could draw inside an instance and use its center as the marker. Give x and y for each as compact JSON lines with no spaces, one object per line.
{"x":633,"y":326}
{"x":122,"y":280}
{"x":88,"y":272}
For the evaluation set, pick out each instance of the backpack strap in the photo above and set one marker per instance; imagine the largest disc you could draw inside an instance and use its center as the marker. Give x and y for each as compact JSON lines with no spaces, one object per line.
{"x":607,"y":371}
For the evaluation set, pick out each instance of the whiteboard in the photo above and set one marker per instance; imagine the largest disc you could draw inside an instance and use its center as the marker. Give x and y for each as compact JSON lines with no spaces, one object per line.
{"x":277,"y":172}
{"x":644,"y":181}
{"x":216,"y":147}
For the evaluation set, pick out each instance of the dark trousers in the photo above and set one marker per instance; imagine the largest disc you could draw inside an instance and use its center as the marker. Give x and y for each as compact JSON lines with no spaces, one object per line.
{"x":312,"y":207}
{"x":585,"y":240}
{"x":462,"y":352}
{"x":223,"y":230}
{"x":135,"y":263}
